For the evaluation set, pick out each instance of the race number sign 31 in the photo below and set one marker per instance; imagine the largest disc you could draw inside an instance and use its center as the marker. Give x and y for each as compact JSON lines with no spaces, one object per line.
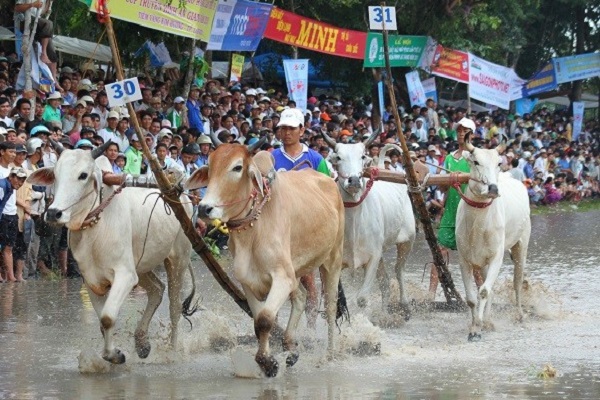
{"x":380,"y":16}
{"x":122,"y":92}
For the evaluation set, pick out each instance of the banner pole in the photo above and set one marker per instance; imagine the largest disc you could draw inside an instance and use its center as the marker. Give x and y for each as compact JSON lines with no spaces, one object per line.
{"x":415,"y":192}
{"x":171,"y":196}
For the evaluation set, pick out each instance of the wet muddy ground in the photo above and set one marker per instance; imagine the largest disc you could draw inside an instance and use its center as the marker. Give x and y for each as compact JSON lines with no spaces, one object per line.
{"x":49,"y":333}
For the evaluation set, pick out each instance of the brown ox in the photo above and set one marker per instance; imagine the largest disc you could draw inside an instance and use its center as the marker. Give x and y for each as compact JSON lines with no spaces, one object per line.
{"x":279,"y":231}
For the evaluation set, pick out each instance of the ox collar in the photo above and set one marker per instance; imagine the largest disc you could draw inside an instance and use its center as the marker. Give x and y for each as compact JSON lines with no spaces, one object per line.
{"x":238,"y":225}
{"x":372,"y":179}
{"x":472,"y":203}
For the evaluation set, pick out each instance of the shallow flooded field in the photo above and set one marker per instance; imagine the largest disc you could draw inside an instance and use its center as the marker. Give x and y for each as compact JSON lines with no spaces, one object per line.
{"x":50,"y":341}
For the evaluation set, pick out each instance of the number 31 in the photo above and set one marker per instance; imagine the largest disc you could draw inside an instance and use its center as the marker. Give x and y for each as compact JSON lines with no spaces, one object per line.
{"x":379,"y":15}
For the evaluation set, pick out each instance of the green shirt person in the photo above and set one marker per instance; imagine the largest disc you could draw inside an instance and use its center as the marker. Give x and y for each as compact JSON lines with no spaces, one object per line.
{"x":134,"y":157}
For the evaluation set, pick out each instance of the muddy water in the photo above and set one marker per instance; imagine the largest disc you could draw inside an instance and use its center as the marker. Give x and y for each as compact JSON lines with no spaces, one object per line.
{"x":49,"y":332}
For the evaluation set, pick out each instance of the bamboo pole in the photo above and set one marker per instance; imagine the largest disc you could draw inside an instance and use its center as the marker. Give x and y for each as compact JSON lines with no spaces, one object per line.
{"x":401,"y":178}
{"x":167,"y":190}
{"x":450,"y":291}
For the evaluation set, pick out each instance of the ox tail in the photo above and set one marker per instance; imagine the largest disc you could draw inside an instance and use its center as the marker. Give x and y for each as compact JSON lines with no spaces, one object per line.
{"x":187,"y":309}
{"x":342,"y":306}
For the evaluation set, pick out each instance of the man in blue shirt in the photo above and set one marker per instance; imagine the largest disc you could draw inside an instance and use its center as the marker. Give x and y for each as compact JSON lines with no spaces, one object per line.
{"x":293,"y":152}
{"x":193,"y":107}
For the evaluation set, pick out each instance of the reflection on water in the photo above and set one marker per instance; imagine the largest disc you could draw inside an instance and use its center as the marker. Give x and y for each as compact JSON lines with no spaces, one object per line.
{"x":44,"y":326}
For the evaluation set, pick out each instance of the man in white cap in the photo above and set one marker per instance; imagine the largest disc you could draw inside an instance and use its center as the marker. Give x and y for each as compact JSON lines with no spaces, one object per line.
{"x":177,"y":115}
{"x":287,"y":157}
{"x":109,"y":133}
{"x":293,"y":152}
{"x":455,"y":162}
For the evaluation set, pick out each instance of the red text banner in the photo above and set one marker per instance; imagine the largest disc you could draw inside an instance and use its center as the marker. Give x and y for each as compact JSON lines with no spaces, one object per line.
{"x":295,"y":30}
{"x":451,"y":64}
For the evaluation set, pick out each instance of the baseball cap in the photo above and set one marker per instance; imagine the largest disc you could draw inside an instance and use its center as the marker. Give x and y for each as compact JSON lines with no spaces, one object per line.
{"x":164,"y":132}
{"x":87,"y":99}
{"x":134,"y":138}
{"x":179,"y":99}
{"x":20,"y":149}
{"x":251,"y":92}
{"x":19,"y":172}
{"x":325,"y":116}
{"x":113,"y":114}
{"x":291,"y":117}
{"x":345,"y":132}
{"x":467,"y":123}
{"x":203,"y":139}
{"x":81,"y":103}
{"x":431,"y":148}
{"x":66,"y":70}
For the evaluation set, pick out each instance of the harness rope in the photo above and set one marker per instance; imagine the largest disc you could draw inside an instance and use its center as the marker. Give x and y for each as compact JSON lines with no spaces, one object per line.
{"x":372,"y":179}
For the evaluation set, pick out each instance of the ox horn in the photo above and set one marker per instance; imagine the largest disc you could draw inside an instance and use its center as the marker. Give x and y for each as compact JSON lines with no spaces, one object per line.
{"x":330,"y":142}
{"x":57,"y":146}
{"x":372,"y":138}
{"x":252,"y":147}
{"x":98,"y":151}
{"x":468,"y":145}
{"x":215,"y":139}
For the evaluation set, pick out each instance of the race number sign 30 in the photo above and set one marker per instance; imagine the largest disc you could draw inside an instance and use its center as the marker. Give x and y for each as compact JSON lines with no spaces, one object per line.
{"x":122,"y":92}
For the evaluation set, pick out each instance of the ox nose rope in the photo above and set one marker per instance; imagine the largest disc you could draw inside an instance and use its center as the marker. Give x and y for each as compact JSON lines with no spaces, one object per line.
{"x":370,"y":182}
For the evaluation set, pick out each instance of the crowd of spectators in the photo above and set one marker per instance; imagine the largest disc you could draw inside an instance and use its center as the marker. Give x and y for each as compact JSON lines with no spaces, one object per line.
{"x":180,"y":130}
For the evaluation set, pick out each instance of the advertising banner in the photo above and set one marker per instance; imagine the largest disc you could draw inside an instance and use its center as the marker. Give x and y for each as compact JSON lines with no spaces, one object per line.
{"x":430,"y":89}
{"x":295,"y":30}
{"x":525,"y":105}
{"x":415,"y":89}
{"x":575,"y":68}
{"x":296,"y":78}
{"x":404,"y":51}
{"x":238,"y":25}
{"x":489,"y":82}
{"x":542,"y":81}
{"x":578,"y":109}
{"x":451,"y":64}
{"x":194,"y":20}
{"x":237,"y":66}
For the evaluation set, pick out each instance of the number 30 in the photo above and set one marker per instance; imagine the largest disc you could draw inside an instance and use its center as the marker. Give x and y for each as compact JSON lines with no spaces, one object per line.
{"x":129,"y":89}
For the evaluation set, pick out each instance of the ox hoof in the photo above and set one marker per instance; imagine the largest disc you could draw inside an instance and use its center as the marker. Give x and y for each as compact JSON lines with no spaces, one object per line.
{"x":474,"y":337}
{"x":292,"y":359}
{"x":142,"y":345}
{"x":143,"y":350}
{"x":361,"y":302}
{"x":117,"y":357}
{"x":269,"y":365}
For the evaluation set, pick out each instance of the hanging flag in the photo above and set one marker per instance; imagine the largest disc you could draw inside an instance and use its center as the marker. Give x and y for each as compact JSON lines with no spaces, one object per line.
{"x":237,"y":66}
{"x":296,"y":78}
{"x":578,"y":108}
{"x":295,"y":30}
{"x":415,"y":89}
{"x":451,"y":64}
{"x":430,"y":89}
{"x":239,"y":25}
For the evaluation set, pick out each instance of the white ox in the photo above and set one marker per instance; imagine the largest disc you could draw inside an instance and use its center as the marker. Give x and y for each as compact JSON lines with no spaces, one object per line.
{"x":128,"y":242}
{"x":279,"y":231}
{"x":383,"y":219}
{"x":495,"y":219}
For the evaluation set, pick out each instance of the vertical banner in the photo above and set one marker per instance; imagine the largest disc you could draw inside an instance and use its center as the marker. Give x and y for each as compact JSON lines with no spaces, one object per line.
{"x":578,"y":107}
{"x":239,"y":25}
{"x":415,"y":89}
{"x":237,"y":66}
{"x":296,"y":78}
{"x":430,"y":89}
{"x":381,"y":103}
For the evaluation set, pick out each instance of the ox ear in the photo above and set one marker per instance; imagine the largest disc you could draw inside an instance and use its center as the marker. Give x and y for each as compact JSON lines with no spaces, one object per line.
{"x":334,"y":158}
{"x":198,"y":179}
{"x":255,"y":175}
{"x":42,"y":177}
